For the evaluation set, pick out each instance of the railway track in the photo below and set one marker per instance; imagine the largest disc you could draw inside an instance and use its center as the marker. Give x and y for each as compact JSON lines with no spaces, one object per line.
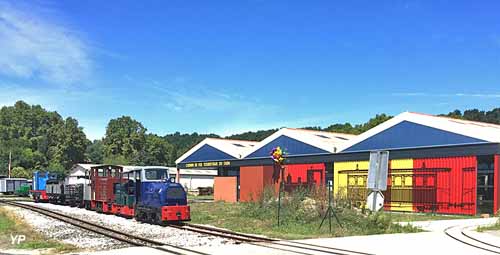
{"x":270,"y":243}
{"x":284,"y":245}
{"x":108,"y":232}
{"x":460,"y":235}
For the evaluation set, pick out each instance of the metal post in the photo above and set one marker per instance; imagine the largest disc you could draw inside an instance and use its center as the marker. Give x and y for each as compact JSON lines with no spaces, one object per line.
{"x":10,"y":161}
{"x":279,"y":194}
{"x":376,"y":190}
{"x":178,"y":176}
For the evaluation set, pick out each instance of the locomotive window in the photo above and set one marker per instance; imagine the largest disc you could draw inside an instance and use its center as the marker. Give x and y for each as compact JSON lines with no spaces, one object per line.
{"x":100,"y":172}
{"x":156,"y":174}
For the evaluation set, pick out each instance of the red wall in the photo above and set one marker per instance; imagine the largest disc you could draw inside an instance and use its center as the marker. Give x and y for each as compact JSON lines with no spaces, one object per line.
{"x":496,"y":196}
{"x":449,"y":183}
{"x":253,"y":180}
{"x":297,"y":171}
{"x":226,"y":188}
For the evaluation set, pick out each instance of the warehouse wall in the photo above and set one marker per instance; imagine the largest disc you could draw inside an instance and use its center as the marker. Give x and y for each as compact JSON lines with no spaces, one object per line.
{"x":445,"y":185}
{"x":400,"y":185}
{"x":349,"y":181}
{"x":253,"y":180}
{"x":306,"y":175}
{"x":496,"y":202}
{"x":226,"y":189}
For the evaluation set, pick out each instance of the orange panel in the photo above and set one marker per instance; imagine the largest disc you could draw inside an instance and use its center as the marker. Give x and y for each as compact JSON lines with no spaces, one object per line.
{"x":226,"y":189}
{"x":253,"y":179}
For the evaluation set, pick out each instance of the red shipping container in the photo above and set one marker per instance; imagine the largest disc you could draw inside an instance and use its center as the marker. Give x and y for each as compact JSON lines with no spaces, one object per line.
{"x":496,"y":195}
{"x":445,"y":185}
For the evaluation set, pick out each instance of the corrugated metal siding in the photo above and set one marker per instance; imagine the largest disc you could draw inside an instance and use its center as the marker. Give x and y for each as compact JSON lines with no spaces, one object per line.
{"x":408,"y":135}
{"x":445,"y":185}
{"x":253,"y":180}
{"x":496,"y":196}
{"x":289,"y":145}
{"x":207,"y":153}
{"x":401,"y":185}
{"x":349,"y":181}
{"x":312,"y":174}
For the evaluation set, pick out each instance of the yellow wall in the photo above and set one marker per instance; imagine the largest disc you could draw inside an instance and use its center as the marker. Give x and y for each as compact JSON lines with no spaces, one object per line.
{"x":402,"y":181}
{"x":340,"y":180}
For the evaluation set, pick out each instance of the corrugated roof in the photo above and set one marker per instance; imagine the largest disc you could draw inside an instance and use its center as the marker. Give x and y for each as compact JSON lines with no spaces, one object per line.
{"x":234,"y":148}
{"x":326,"y":141}
{"x":461,"y":131}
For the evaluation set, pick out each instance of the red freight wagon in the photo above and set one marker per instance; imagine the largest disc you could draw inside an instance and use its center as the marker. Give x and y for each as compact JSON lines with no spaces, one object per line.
{"x":103,"y":180}
{"x":445,"y":185}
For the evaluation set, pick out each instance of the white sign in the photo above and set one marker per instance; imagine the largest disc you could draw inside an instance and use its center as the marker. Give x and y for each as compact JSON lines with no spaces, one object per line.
{"x":375,"y":201}
{"x":377,"y":173}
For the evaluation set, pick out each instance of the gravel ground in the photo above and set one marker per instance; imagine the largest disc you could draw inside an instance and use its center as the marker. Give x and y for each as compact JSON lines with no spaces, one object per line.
{"x":64,"y":232}
{"x":167,"y":235}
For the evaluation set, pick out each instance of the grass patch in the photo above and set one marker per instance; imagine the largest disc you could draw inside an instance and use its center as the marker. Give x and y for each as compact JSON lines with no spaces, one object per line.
{"x":493,"y":227}
{"x":407,"y":217}
{"x":301,"y":216}
{"x":205,"y":197}
{"x":10,"y":225}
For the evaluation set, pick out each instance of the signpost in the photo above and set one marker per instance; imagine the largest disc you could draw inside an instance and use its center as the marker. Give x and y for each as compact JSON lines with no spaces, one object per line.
{"x":377,"y":179}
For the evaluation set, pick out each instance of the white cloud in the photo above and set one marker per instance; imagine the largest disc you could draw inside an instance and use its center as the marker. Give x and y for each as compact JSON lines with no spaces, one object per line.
{"x":34,"y":47}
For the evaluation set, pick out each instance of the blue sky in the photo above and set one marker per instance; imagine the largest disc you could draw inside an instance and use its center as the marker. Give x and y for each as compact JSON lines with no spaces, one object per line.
{"x":233,"y":66}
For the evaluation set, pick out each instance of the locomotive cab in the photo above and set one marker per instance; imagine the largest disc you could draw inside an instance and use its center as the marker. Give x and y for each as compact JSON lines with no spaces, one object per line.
{"x":159,"y":199}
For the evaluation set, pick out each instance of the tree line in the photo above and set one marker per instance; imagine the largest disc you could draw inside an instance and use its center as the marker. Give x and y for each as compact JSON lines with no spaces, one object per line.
{"x":42,"y":140}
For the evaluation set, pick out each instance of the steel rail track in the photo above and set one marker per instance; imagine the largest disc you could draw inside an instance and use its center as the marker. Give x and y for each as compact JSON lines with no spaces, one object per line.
{"x":446,"y":231}
{"x":106,"y":231}
{"x":265,"y":241}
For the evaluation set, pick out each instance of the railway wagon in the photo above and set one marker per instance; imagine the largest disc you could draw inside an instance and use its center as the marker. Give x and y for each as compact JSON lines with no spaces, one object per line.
{"x":59,"y":192}
{"x":103,"y":182}
{"x":10,"y":185}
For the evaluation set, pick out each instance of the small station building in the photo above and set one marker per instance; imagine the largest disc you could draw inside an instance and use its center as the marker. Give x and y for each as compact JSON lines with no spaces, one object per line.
{"x":437,"y":164}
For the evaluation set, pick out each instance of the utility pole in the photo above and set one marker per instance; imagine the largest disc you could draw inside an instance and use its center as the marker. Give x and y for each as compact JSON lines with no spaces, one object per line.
{"x":10,"y":161}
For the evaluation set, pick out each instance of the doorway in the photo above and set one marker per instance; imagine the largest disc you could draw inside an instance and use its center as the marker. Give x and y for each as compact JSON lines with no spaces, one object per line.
{"x":485,"y":184}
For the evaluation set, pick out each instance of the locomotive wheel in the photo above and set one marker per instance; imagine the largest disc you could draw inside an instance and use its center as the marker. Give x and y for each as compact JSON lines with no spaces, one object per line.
{"x":159,"y":221}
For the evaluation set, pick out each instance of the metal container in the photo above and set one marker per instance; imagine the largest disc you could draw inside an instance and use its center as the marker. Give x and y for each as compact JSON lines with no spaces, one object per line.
{"x":10,"y":185}
{"x":445,"y":185}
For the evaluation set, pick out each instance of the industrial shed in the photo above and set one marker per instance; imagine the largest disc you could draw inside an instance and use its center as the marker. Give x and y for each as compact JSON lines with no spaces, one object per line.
{"x":437,"y":164}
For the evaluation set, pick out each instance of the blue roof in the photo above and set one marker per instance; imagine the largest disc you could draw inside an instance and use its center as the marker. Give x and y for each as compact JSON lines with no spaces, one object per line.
{"x":407,"y":134}
{"x":207,"y":153}
{"x":289,"y":145}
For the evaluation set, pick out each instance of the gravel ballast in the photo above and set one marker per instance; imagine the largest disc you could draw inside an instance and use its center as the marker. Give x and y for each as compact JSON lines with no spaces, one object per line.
{"x":66,"y":233}
{"x":163,"y":234}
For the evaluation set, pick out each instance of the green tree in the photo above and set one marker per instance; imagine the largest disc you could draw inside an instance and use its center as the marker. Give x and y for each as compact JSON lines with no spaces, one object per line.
{"x":20,"y":172}
{"x":157,"y":151}
{"x":95,"y":152}
{"x":71,"y":145}
{"x":125,"y":137}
